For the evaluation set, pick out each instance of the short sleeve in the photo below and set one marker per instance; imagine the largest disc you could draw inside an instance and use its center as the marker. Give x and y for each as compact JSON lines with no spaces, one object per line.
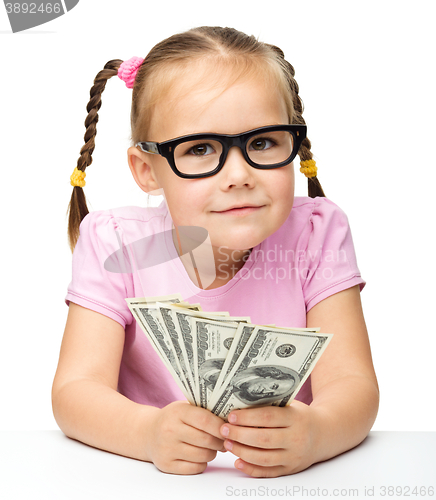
{"x":92,"y":286}
{"x":328,"y":263}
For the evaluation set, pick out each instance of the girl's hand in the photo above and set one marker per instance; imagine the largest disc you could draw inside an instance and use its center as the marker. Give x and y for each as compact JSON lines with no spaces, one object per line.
{"x":271,"y":441}
{"x":183,"y":438}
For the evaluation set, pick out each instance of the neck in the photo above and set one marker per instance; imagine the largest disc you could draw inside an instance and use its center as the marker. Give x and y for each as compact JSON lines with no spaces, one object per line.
{"x":210,"y":267}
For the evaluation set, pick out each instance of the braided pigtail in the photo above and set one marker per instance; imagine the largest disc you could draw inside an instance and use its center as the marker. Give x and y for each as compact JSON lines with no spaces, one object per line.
{"x":307,"y":163}
{"x":77,"y":207}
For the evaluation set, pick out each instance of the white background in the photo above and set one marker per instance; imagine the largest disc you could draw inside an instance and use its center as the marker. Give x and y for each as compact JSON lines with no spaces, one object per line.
{"x":366,"y":72}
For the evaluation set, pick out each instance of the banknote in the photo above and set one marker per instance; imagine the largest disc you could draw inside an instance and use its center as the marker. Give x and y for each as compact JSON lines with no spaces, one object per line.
{"x":212,"y":340}
{"x":222,"y":362}
{"x":152,"y":324}
{"x":215,"y":315}
{"x":187,"y":334}
{"x":271,"y":369}
{"x":241,"y":338}
{"x":183,"y":335}
{"x":174,"y":299}
{"x":179,"y":342}
{"x":133,"y":303}
{"x":150,"y":319}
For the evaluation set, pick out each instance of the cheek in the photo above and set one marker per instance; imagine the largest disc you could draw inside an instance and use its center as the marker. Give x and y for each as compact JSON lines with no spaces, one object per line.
{"x":282,"y":187}
{"x":186,"y":199}
{"x":284,"y":176}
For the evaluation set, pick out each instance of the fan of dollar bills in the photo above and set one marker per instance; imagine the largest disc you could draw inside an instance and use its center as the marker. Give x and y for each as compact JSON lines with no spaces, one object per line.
{"x":223,"y":362}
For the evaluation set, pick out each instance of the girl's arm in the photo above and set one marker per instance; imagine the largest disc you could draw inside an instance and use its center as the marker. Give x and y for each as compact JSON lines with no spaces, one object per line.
{"x":344,"y":384}
{"x":344,"y":408}
{"x":179,"y":438}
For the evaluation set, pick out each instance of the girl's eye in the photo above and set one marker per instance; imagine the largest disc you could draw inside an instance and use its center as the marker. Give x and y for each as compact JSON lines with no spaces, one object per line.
{"x":261,"y":144}
{"x":201,"y":150}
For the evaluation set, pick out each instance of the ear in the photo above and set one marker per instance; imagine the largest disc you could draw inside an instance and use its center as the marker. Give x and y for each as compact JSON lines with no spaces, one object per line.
{"x":141,"y":170}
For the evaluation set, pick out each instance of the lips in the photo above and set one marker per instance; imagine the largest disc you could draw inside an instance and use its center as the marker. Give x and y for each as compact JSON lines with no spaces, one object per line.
{"x":235,"y":207}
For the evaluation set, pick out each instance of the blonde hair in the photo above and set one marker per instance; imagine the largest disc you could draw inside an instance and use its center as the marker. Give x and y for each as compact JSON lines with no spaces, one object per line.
{"x":158,"y":75}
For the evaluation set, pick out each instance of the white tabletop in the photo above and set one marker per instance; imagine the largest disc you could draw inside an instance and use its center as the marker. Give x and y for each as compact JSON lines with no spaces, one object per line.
{"x":47,"y":465}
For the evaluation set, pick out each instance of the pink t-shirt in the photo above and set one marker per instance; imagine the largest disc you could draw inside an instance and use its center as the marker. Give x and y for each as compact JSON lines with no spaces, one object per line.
{"x":310,"y":257}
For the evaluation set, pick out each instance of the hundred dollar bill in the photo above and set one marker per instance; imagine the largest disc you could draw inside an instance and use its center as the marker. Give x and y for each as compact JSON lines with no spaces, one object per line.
{"x":240,"y":340}
{"x":187,"y":305}
{"x":272,"y":367}
{"x":151,"y":301}
{"x":175,"y":299}
{"x":141,"y":301}
{"x":180,"y":342}
{"x":182,"y":320}
{"x":185,"y":329}
{"x":216,"y":316}
{"x":212,"y":340}
{"x":153,"y":325}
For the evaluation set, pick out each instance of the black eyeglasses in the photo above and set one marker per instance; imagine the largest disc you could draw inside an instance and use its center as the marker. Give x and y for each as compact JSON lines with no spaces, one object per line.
{"x":202,"y":155}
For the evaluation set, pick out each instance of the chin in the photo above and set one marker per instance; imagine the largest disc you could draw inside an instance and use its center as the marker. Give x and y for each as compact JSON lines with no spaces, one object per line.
{"x":238,"y":246}
{"x":241,"y":239}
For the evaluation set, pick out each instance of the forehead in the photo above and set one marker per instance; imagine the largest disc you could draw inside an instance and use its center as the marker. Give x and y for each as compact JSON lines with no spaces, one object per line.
{"x":209,"y":98}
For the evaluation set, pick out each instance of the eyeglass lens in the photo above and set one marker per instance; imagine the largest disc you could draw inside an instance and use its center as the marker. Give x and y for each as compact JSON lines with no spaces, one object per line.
{"x":202,"y":156}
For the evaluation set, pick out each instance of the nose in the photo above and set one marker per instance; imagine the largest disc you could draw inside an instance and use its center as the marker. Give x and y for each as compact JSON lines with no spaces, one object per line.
{"x":236,"y":170}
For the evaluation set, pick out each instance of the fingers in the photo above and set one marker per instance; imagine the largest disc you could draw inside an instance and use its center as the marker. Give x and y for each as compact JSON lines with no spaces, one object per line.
{"x":258,"y":437}
{"x":184,"y":439}
{"x":270,"y":441}
{"x":269,"y":416}
{"x":196,"y":454}
{"x":201,"y":439}
{"x":184,"y":459}
{"x":185,"y":468}
{"x":266,"y":438}
{"x":257,"y":471}
{"x":202,"y":419}
{"x":258,"y":427}
{"x":255,"y":456}
{"x":181,"y":467}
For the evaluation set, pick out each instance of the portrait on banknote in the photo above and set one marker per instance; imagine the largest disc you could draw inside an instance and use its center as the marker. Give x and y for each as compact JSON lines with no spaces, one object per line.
{"x":264,"y":384}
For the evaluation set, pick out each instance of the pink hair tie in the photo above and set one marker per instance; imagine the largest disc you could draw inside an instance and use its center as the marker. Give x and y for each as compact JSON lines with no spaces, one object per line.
{"x":128,"y":69}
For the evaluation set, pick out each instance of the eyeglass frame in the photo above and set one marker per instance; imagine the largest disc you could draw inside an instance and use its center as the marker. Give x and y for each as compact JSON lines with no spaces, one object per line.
{"x":166,"y":148}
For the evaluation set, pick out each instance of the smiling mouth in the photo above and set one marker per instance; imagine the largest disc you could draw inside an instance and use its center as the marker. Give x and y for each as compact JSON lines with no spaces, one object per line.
{"x":240,"y":209}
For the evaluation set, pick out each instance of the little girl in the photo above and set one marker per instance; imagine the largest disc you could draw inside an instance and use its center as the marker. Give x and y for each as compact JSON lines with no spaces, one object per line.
{"x":216,"y":123}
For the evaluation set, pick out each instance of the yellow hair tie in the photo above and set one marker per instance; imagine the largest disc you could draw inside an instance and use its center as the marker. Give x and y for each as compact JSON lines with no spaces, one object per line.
{"x":78,"y":178}
{"x":308,"y":168}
